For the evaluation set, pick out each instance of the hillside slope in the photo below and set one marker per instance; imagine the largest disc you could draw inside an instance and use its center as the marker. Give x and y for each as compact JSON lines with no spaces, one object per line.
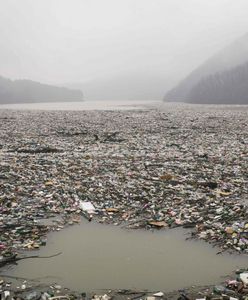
{"x":227,"y":87}
{"x":228,"y":58}
{"x":27,"y":91}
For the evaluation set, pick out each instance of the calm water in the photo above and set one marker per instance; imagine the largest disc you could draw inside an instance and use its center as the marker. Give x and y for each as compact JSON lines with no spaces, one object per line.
{"x":85,"y":105}
{"x":98,"y":256}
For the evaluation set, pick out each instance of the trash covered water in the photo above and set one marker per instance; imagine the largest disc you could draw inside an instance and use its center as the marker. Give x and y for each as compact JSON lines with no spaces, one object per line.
{"x":139,"y":169}
{"x":176,"y":166}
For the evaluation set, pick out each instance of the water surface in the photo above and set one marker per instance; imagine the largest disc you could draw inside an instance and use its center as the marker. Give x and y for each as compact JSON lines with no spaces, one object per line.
{"x":84,"y":105}
{"x":98,"y":256}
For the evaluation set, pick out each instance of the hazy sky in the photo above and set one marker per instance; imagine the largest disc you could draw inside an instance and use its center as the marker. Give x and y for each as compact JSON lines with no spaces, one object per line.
{"x":60,"y":41}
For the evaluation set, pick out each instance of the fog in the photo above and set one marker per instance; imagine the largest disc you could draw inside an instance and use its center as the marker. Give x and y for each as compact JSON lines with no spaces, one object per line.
{"x":96,"y":44}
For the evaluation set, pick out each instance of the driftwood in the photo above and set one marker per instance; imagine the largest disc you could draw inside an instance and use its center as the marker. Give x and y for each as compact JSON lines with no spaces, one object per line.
{"x":60,"y":297}
{"x":14,"y":258}
{"x":142,"y":221}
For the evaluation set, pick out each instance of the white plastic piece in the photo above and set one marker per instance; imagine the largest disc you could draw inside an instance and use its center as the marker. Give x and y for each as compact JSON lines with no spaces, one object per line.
{"x":87,"y":206}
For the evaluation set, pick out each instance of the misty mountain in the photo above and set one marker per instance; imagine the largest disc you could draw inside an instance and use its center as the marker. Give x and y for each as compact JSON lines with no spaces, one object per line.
{"x":27,"y":91}
{"x":128,"y":86}
{"x":228,"y":58}
{"x":227,"y":87}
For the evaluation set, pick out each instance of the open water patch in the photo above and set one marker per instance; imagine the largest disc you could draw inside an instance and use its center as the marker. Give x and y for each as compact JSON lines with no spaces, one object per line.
{"x":82,"y":105}
{"x":97,"y":256}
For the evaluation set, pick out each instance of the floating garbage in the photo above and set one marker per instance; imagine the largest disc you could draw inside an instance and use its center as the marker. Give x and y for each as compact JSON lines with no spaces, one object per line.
{"x":244,"y":278}
{"x":158,"y":294}
{"x":184,"y":166}
{"x":139,"y":169}
{"x":87,"y":206}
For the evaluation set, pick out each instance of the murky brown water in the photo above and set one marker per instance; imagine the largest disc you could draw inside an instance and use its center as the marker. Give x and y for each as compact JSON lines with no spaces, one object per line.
{"x":99,"y":256}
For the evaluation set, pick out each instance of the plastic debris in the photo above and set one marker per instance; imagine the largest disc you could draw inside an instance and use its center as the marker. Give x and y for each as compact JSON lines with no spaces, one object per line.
{"x":87,"y":206}
{"x":149,"y":169}
{"x":244,"y":278}
{"x":101,"y":297}
{"x":158,"y":294}
{"x":180,"y":167}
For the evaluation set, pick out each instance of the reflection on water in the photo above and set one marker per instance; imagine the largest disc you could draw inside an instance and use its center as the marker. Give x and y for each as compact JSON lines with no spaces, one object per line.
{"x":98,"y":256}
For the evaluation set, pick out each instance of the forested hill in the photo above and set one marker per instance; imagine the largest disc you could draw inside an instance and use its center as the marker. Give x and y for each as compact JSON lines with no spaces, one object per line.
{"x":27,"y":91}
{"x":229,"y":87}
{"x":236,"y":54}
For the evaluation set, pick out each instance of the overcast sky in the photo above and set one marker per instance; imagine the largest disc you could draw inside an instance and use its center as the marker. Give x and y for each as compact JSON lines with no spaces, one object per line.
{"x":59,"y":41}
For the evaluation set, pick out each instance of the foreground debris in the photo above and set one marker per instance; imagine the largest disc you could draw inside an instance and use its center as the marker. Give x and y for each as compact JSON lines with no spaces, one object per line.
{"x":232,"y":289}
